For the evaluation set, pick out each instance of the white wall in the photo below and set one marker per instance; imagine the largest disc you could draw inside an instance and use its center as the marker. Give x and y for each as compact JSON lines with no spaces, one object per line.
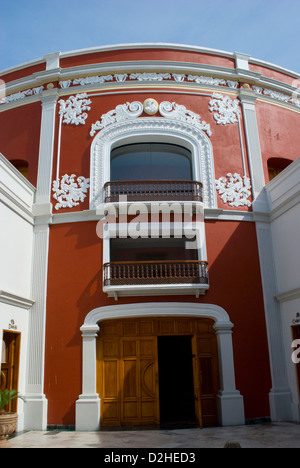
{"x":16,"y":243}
{"x":284,"y":200}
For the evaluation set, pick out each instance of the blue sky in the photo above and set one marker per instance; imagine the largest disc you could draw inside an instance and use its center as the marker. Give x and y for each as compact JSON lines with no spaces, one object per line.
{"x":265,"y":29}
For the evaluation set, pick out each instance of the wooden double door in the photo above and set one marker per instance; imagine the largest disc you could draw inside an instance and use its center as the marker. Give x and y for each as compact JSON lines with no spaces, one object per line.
{"x":157,"y":370}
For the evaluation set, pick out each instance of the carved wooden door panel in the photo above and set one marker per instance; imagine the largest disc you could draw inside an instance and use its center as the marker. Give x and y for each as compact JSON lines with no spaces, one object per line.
{"x":108,"y":379}
{"x":206,"y":375}
{"x":127,"y":379}
{"x":139,"y":370}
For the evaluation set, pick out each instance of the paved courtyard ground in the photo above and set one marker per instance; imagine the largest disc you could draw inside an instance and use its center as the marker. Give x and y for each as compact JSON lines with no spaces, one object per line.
{"x":269,"y":435}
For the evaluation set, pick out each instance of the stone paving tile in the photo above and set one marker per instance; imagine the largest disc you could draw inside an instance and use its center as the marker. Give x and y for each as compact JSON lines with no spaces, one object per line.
{"x":273,"y":435}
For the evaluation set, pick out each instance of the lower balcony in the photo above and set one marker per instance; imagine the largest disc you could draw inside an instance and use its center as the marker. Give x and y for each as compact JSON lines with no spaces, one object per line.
{"x":155,"y":278}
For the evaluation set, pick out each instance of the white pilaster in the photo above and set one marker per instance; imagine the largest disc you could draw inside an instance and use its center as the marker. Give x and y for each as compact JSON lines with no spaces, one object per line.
{"x":35,"y":409}
{"x":46,"y":148}
{"x":230,"y":401}
{"x":88,"y":404}
{"x":280,"y":395}
{"x":248,"y":100}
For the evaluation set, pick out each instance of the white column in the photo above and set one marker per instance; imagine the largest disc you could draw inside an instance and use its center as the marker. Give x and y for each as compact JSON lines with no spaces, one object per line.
{"x":35,"y":408}
{"x":88,"y":404}
{"x":230,"y":401}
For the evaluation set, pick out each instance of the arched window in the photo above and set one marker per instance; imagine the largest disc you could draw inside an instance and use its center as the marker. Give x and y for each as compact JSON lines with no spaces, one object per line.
{"x":277,"y":165}
{"x":21,"y":165}
{"x":194,"y":156}
{"x":151,"y":161}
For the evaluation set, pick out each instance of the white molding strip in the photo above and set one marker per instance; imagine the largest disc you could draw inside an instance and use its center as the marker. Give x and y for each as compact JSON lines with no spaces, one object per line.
{"x":15,"y":300}
{"x":290,"y":295}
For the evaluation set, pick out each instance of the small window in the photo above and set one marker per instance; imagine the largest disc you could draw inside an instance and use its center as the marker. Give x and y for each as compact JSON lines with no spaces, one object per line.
{"x":277,"y":165}
{"x":151,"y":161}
{"x":21,"y":165}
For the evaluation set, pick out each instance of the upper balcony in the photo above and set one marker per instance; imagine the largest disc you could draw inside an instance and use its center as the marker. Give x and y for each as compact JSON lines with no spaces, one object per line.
{"x":153,"y":190}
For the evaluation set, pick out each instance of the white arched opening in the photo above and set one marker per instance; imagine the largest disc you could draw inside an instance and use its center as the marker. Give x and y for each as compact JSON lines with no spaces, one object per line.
{"x":230,"y":401}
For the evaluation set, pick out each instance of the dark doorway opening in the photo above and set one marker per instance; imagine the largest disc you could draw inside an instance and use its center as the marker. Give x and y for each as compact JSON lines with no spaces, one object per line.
{"x":176,"y":381}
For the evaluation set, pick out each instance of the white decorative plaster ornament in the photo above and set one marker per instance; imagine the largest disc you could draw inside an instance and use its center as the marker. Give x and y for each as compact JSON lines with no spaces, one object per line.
{"x":235,"y":191}
{"x":72,"y":110}
{"x":278,"y":96}
{"x":150,"y":76}
{"x":208,"y":80}
{"x":69,"y":193}
{"x":121,"y":112}
{"x":150,"y":106}
{"x":21,"y":95}
{"x":169,"y":110}
{"x":227,"y":110}
{"x":92,"y":80}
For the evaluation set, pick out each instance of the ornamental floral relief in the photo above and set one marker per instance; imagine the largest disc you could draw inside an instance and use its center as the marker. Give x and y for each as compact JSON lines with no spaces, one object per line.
{"x":21,"y":95}
{"x":72,"y":110}
{"x":234,"y":189}
{"x":227,"y":111}
{"x":69,"y":192}
{"x":149,"y":76}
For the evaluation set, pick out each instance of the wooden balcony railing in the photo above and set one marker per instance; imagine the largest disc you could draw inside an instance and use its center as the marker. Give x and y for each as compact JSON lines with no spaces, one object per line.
{"x":163,"y":272}
{"x":154,"y":190}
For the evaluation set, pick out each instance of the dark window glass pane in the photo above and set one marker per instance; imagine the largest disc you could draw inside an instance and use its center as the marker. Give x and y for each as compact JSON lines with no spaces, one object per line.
{"x":151,"y":161}
{"x":141,"y":250}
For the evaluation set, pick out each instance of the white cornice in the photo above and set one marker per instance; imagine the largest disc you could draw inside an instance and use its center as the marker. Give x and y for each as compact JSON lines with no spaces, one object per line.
{"x":147,"y":45}
{"x":267,"y":89}
{"x":153,"y":45}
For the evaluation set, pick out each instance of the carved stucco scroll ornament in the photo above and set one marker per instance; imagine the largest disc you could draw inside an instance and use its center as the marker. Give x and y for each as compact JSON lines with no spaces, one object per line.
{"x":69,"y":192}
{"x":121,"y":112}
{"x":169,"y":110}
{"x":234,"y":189}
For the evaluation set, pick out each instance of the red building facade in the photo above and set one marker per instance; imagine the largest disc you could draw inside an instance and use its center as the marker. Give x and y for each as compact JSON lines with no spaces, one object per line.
{"x":149,"y":164}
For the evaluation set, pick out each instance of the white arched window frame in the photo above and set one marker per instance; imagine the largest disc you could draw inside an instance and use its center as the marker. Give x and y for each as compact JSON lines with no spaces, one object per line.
{"x":148,"y":130}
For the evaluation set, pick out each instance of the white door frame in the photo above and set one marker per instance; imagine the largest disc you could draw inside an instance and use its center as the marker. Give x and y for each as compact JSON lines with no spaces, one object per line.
{"x":230,"y":401}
